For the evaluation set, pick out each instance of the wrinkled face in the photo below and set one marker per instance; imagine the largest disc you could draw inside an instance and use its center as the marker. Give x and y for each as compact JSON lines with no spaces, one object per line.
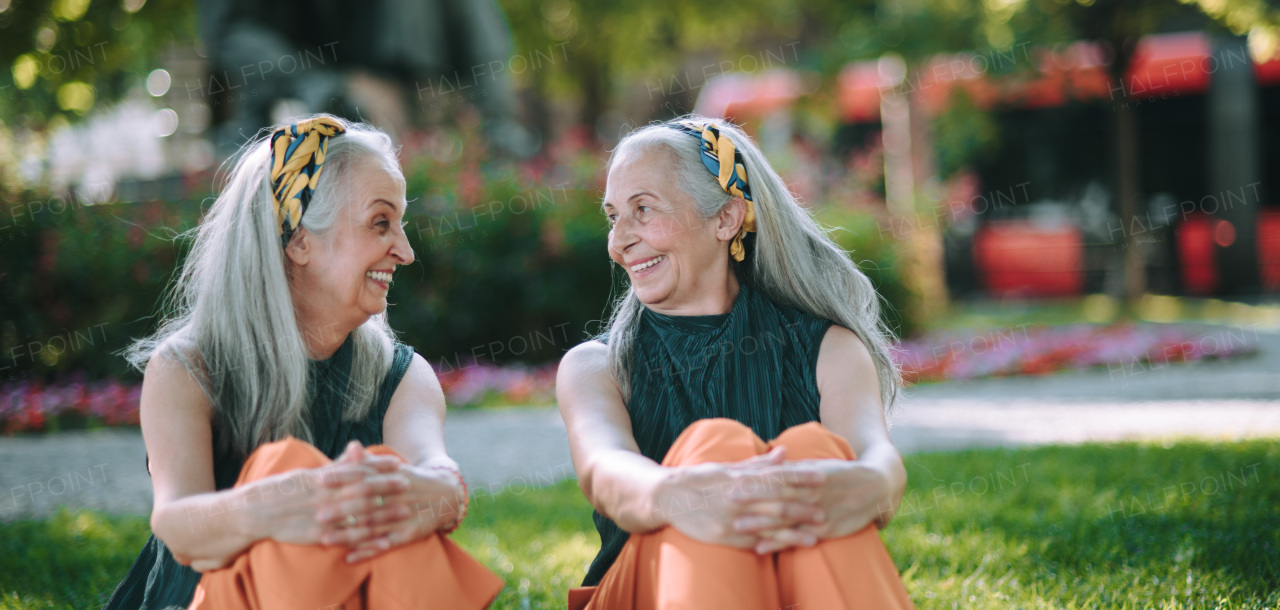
{"x":347,"y":271}
{"x":670,"y":252}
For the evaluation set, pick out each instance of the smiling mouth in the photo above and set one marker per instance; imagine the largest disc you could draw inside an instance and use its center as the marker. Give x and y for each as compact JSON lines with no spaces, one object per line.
{"x":381,"y":277}
{"x":649,"y":263}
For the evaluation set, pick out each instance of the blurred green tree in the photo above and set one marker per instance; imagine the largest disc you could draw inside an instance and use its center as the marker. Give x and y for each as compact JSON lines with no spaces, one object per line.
{"x":62,"y":57}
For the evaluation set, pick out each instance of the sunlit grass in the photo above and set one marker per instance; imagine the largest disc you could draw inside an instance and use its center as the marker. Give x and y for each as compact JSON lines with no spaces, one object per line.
{"x":539,"y":540}
{"x":70,"y":560}
{"x":1191,"y":525}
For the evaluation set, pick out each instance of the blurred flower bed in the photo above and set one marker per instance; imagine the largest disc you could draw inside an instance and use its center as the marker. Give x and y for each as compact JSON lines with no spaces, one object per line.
{"x":935,"y":356}
{"x":486,"y":385}
{"x":76,"y":404}
{"x":1123,"y":348}
{"x":28,"y":406}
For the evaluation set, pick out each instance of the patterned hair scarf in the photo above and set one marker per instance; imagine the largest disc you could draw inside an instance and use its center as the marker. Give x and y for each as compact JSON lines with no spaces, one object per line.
{"x":724,"y":161}
{"x":297,"y":154}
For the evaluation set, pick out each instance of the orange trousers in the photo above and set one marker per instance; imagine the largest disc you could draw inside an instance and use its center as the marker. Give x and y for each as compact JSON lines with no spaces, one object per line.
{"x":668,"y":570}
{"x":429,"y":573}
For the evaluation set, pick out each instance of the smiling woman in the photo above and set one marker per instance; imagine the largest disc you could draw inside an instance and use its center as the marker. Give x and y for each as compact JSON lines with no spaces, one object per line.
{"x":269,"y":391}
{"x":743,"y":322}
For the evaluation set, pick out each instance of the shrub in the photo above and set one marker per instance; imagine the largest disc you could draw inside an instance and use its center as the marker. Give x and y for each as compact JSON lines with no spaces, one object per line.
{"x":511,"y":262}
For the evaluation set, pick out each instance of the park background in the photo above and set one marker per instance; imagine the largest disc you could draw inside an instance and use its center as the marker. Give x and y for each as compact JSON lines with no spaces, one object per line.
{"x":1068,"y":206}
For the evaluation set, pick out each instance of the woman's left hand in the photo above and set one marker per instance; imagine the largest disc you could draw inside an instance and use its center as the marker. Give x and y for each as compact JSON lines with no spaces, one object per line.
{"x":851,"y":496}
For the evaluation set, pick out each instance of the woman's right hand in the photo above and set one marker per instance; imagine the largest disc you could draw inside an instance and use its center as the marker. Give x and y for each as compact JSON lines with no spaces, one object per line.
{"x":297,"y":506}
{"x":699,"y":500}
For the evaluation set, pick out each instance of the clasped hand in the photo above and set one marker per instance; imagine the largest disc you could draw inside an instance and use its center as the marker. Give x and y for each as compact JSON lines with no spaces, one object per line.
{"x":367,"y":502}
{"x":768,"y":505}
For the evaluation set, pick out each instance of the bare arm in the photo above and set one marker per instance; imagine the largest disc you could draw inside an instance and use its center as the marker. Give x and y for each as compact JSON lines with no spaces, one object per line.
{"x":414,"y":427}
{"x":205,"y":528}
{"x":851,"y":407}
{"x":199,"y":525}
{"x":414,"y":424}
{"x":614,"y":476}
{"x":853,"y":493}
{"x":640,"y":495}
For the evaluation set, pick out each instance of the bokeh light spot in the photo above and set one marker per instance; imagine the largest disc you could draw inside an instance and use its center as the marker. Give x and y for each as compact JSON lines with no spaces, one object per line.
{"x":70,"y":10}
{"x":165,"y":122}
{"x":46,"y":37}
{"x":76,"y":97}
{"x":25,"y":70}
{"x":158,"y":82}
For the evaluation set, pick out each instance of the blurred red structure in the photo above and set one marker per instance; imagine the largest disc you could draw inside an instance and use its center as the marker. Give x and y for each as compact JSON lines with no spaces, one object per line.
{"x":1022,"y":259}
{"x":1014,"y":256}
{"x":1163,"y":64}
{"x":1199,"y":238}
{"x":743,"y":96}
{"x":1269,"y":248}
{"x":1197,"y":255}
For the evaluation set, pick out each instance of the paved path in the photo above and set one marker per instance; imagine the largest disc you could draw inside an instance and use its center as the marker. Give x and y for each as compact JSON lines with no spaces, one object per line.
{"x":105,"y":469}
{"x":519,"y":447}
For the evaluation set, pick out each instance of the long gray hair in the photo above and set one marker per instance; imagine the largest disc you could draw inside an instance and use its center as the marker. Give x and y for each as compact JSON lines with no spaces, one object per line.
{"x":794,"y":262}
{"x":233,"y":325}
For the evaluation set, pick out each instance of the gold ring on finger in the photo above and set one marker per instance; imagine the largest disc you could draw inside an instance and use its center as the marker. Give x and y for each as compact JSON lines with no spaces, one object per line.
{"x":377,"y":501}
{"x":351,"y":520}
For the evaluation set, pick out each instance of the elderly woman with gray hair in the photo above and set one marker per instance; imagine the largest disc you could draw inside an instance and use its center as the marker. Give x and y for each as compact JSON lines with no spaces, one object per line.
{"x":743,"y":322}
{"x":271,"y":388}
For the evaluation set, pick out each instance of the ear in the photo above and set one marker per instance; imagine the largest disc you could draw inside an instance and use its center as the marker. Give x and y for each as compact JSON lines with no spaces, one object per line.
{"x":729,"y":220}
{"x":299,"y":249}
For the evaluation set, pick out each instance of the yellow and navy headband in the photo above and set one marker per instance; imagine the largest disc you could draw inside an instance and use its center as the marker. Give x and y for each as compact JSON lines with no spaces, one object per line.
{"x":725,"y":162}
{"x":297,"y":156}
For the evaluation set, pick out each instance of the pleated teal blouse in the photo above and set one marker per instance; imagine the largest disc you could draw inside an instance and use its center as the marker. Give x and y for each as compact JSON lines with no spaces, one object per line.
{"x":156,"y":581}
{"x":756,"y":364}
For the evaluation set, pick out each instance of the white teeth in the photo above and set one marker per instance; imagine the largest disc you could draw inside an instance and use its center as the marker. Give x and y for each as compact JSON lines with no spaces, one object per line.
{"x":651,"y":262}
{"x":381,"y":276}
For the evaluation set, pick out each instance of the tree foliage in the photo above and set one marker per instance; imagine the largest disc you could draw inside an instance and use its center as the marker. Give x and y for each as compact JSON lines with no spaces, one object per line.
{"x":63,"y":57}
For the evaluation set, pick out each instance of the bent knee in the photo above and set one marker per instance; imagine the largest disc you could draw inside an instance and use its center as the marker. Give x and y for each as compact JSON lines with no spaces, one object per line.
{"x":714,"y":440}
{"x":813,"y":441}
{"x":281,"y":456}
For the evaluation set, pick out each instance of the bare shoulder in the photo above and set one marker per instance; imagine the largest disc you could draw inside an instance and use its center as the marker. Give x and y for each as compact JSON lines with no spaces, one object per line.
{"x":842,"y":349}
{"x":418,"y":379}
{"x":585,"y":359}
{"x":584,"y":381}
{"x":414,"y":422}
{"x":847,"y":379}
{"x":172,"y":375}
{"x":417,"y":399}
{"x":584,"y":376}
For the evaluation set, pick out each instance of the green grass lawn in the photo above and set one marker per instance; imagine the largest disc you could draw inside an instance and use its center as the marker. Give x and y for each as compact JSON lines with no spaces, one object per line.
{"x":1192,"y":525}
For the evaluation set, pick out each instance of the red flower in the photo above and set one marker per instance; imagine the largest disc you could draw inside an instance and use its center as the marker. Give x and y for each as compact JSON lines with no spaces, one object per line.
{"x":32,"y":415}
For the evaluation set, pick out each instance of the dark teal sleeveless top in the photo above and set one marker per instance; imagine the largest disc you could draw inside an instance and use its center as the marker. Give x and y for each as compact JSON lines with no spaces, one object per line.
{"x":756,"y":364}
{"x":156,"y":581}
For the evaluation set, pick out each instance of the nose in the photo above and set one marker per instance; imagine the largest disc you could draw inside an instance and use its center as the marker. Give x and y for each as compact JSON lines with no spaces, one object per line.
{"x":401,"y":250}
{"x":622,"y":237}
